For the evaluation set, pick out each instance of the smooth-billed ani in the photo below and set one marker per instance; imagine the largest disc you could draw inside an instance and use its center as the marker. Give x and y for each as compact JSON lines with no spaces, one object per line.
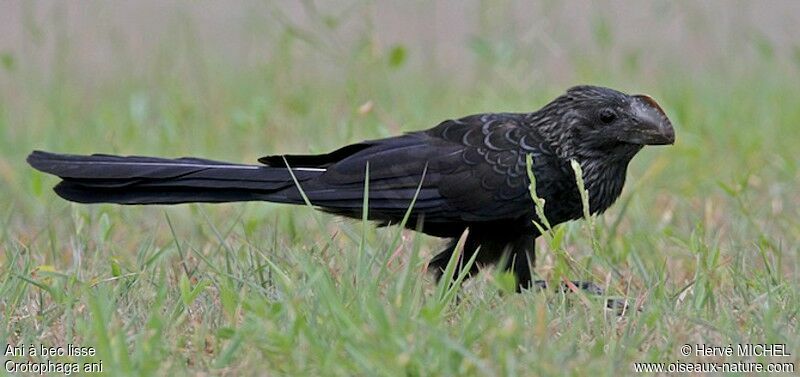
{"x":465,"y":173}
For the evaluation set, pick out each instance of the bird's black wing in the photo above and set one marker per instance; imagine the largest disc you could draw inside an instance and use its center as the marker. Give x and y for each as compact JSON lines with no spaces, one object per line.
{"x":492,"y":182}
{"x":473,"y":170}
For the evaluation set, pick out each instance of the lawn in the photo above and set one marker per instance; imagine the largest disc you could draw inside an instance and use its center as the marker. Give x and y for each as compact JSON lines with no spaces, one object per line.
{"x":704,"y":242}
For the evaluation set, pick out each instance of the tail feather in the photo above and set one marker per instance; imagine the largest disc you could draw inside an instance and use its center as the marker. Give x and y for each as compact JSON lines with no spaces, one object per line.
{"x":150,"y":180}
{"x":82,"y":194}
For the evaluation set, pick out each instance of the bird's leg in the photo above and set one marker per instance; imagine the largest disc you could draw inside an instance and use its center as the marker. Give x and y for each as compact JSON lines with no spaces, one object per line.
{"x":521,"y":257}
{"x":438,"y":263}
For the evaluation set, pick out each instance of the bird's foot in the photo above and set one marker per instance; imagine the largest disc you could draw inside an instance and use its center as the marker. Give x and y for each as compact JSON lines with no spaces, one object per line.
{"x":585,"y":286}
{"x":617,"y":304}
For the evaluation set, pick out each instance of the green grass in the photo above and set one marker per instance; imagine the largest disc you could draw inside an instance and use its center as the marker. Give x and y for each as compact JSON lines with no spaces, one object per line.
{"x":704,"y":239}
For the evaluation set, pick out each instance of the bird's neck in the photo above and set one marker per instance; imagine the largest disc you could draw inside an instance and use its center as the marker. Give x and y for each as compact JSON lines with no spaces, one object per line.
{"x":604,"y":177}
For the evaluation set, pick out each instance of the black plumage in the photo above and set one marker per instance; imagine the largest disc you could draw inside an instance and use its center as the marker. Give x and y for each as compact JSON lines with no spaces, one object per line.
{"x":464,"y":173}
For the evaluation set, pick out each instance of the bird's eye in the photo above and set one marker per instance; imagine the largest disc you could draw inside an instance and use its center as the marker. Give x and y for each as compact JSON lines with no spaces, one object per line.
{"x":607,"y":115}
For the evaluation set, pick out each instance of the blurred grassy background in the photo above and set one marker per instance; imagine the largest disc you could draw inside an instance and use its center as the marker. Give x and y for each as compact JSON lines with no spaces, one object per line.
{"x":705,"y":236}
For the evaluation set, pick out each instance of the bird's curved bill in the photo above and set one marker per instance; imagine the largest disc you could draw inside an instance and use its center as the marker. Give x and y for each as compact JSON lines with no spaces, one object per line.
{"x":650,"y":125}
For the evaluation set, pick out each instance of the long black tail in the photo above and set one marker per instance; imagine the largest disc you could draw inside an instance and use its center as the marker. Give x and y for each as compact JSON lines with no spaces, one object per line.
{"x":149,"y":180}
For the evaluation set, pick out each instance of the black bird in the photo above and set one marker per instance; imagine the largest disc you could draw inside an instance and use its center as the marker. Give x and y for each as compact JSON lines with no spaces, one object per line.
{"x":468,"y":173}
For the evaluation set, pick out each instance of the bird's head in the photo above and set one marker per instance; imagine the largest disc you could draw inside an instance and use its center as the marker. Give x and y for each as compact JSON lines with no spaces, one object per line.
{"x":596,"y":120}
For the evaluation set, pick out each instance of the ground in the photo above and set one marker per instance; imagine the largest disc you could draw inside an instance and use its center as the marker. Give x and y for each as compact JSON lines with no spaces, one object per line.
{"x":703,"y":242}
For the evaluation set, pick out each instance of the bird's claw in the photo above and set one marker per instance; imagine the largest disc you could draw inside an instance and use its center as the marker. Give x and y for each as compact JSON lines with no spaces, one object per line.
{"x":619,"y":305}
